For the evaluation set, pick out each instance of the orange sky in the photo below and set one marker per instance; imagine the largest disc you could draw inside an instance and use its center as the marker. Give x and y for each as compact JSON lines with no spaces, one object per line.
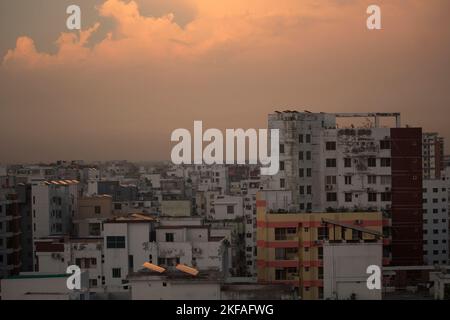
{"x":119,"y":88}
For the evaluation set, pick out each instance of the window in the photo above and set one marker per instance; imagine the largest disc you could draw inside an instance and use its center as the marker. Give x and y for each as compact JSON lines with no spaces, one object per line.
{"x":300,"y":138}
{"x":331,"y":145}
{"x":308,"y":138}
{"x":348,"y":197}
{"x":331,"y":163}
{"x":331,"y":196}
{"x":385,"y":180}
{"x":372,"y":197}
{"x":348,"y":179}
{"x":94,"y":229}
{"x":280,"y":274}
{"x":282,"y":183}
{"x":301,"y":173}
{"x":385,"y":196}
{"x":98,"y":209}
{"x":92,"y":283}
{"x":130,"y":262}
{"x":116,"y":273}
{"x":308,"y":155}
{"x":115,"y":242}
{"x":280,"y":234}
{"x":291,"y":230}
{"x":385,"y":162}
{"x":117,"y":206}
{"x":308,"y":172}
{"x":281,"y":165}
{"x":372,"y":162}
{"x":281,"y":148}
{"x":280,"y":254}
{"x":322,"y":234}
{"x":302,"y":190}
{"x":385,"y":144}
{"x":372,"y":179}
{"x":169,"y":237}
{"x":93,"y":261}
{"x":300,"y":155}
{"x":308,"y":189}
{"x":330,"y":180}
{"x":347,"y":162}
{"x":320,"y":272}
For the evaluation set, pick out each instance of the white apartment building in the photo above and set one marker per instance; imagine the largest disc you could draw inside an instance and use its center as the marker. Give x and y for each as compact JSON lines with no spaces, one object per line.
{"x":433,"y":155}
{"x":55,"y":254}
{"x":127,"y":245}
{"x":326,"y":167}
{"x":189,"y":241}
{"x":435,"y":222}
{"x":131,"y":241}
{"x":54,"y":203}
{"x":227,"y":208}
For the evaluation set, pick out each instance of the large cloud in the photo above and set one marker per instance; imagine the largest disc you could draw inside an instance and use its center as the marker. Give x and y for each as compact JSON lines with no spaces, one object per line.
{"x":230,"y":63}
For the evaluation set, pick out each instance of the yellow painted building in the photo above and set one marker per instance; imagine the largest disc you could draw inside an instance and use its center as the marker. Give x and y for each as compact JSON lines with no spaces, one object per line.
{"x":290,"y":245}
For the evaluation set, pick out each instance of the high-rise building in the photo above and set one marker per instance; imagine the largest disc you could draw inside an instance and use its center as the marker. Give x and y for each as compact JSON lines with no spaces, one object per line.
{"x":53,"y":204}
{"x":435,"y":222}
{"x":433,"y":155}
{"x":10,"y":231}
{"x":329,"y":168}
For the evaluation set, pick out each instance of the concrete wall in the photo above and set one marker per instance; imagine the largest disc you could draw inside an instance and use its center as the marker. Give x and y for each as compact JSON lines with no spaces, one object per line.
{"x":167,"y":290}
{"x":345,"y":266}
{"x":176,"y":208}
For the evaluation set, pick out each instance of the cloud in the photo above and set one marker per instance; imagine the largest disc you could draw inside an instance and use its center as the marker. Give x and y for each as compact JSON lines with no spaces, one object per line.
{"x":229,"y":63}
{"x":218,"y":25}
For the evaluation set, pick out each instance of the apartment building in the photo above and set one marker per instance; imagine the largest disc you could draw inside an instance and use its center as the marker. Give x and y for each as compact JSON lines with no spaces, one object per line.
{"x":55,"y":254}
{"x":435,"y":222}
{"x":91,"y":213}
{"x":291,"y":245}
{"x":54,"y":204}
{"x":328,"y":168}
{"x":433,"y":155}
{"x":127,"y":245}
{"x":10,"y":233}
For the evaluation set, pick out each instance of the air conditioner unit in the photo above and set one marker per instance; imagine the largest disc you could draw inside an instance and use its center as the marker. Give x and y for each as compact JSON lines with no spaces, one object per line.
{"x":329,"y":187}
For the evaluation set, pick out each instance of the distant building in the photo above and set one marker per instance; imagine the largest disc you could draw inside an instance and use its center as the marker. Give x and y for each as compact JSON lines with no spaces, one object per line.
{"x":55,"y":254}
{"x":433,"y":155}
{"x":10,"y":233}
{"x":92,"y":211}
{"x":435,"y":222}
